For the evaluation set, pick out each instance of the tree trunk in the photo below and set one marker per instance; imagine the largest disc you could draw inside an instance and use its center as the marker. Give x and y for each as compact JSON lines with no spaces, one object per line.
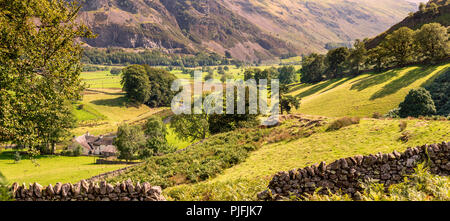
{"x":53,"y":148}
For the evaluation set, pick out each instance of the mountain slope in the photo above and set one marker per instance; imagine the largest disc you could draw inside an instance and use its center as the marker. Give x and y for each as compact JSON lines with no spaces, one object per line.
{"x":310,"y":24}
{"x":250,"y":30}
{"x":415,"y":21}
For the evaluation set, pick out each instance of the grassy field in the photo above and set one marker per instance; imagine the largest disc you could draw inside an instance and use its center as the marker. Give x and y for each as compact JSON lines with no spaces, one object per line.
{"x":51,"y":169}
{"x":101,"y":79}
{"x":365,"y":94}
{"x":106,"y":109}
{"x":245,"y":180}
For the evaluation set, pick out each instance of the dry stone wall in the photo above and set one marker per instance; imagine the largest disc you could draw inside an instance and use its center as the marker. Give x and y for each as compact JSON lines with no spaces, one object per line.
{"x":88,"y":191}
{"x":346,"y":174}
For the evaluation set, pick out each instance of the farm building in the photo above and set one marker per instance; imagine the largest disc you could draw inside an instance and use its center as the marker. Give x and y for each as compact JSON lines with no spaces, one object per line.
{"x":97,"y":145}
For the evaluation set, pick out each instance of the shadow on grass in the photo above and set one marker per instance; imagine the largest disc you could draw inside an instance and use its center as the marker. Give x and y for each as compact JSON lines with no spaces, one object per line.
{"x":104,"y":92}
{"x":375,"y":79}
{"x":342,"y":81}
{"x":114,"y":102}
{"x":404,"y":81}
{"x":317,"y":88}
{"x":9,"y":155}
{"x":433,"y":78}
{"x":298,"y":87}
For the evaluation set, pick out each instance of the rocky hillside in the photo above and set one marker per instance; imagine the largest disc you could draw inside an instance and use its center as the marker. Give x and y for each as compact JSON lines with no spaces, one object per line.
{"x":249,"y":29}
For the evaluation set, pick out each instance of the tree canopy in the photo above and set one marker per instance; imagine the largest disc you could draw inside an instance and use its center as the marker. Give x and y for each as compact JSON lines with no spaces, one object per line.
{"x":39,"y":68}
{"x":147,"y":85}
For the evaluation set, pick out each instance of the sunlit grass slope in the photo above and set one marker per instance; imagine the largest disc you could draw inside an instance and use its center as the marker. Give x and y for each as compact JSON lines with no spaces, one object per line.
{"x":245,"y":180}
{"x":51,"y":169}
{"x":365,"y":94}
{"x":112,"y":104}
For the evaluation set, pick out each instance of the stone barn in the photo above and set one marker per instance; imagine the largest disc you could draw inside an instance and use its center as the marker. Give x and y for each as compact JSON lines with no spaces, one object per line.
{"x":97,"y":145}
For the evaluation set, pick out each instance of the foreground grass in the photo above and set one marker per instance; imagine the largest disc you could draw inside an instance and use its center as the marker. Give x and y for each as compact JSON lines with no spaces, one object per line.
{"x":365,"y":94}
{"x":252,"y":176}
{"x":51,"y":169}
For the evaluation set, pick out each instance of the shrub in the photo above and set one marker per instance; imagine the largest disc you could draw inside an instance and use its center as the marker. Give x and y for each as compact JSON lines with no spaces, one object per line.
{"x":417,"y":103}
{"x":115,"y":71}
{"x":343,"y":122}
{"x":75,"y":150}
{"x":394,"y":113}
{"x":17,"y":157}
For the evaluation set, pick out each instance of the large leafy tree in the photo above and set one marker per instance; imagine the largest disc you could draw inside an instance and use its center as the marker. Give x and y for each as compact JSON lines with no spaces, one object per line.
{"x":129,"y":141}
{"x":357,"y":57}
{"x":287,"y":74}
{"x":400,"y":45}
{"x":313,"y":68}
{"x":136,"y":84}
{"x":190,"y":127}
{"x":336,"y":60}
{"x":39,"y":68}
{"x":432,"y":41}
{"x":160,"y":82}
{"x":155,"y":132}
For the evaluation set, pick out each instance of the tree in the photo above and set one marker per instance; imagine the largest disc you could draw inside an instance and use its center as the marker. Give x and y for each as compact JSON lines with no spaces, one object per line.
{"x":433,"y":42}
{"x":190,"y":127}
{"x":417,"y":103}
{"x":336,"y":60}
{"x":228,"y":54}
{"x":422,"y":7}
{"x":357,"y":57}
{"x":287,"y":74}
{"x":115,"y":71}
{"x":400,"y":44}
{"x":258,"y":74}
{"x":62,"y":121}
{"x":155,"y":132}
{"x":313,"y":68}
{"x":129,"y":140}
{"x":379,"y":58}
{"x":40,"y":55}
{"x":136,"y":84}
{"x":226,"y":76}
{"x":160,"y":82}
{"x":288,"y":102}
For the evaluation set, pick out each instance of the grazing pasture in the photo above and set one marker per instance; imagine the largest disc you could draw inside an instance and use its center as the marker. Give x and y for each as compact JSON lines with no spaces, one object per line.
{"x":51,"y":169}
